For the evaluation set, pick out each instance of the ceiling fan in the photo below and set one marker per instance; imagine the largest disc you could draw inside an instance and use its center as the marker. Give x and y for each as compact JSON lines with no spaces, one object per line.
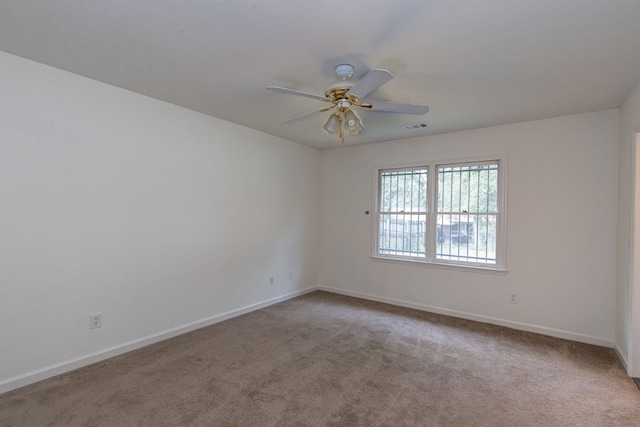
{"x":345,"y":94}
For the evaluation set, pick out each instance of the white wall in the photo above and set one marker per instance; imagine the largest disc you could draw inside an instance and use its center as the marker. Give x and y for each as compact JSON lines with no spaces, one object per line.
{"x":152,"y":214}
{"x":629,"y":124}
{"x":561,"y":252}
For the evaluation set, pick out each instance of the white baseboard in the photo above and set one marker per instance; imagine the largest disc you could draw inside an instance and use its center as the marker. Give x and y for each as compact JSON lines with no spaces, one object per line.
{"x":88,"y":359}
{"x":623,"y":358}
{"x":602,"y":342}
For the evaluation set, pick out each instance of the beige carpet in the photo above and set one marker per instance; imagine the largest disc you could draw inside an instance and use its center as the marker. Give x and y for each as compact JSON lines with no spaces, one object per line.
{"x":330,"y":360}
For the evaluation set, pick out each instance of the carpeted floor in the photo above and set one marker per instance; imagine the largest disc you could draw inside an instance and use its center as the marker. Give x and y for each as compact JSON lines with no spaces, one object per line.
{"x":329,"y":360}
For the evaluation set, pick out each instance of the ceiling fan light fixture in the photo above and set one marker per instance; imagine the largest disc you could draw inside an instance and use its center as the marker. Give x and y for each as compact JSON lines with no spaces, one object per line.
{"x":352,"y":123}
{"x":333,"y":124}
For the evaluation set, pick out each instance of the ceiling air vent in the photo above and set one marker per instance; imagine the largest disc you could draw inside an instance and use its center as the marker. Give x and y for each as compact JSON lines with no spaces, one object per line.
{"x":416,"y":126}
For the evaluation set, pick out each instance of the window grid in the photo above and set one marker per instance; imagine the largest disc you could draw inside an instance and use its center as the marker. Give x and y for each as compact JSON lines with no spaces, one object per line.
{"x":465,"y":222}
{"x":467,"y":212}
{"x":402,"y":214}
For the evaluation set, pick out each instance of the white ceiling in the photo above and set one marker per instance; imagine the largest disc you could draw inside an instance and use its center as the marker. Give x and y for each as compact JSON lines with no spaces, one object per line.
{"x":476,"y":63}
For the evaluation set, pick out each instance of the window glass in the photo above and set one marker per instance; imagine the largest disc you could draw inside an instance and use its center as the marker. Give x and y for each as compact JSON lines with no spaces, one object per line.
{"x":402,"y":215}
{"x":467,"y":212}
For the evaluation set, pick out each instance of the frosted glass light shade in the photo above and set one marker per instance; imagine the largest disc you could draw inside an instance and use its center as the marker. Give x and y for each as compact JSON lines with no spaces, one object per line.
{"x":333,"y":124}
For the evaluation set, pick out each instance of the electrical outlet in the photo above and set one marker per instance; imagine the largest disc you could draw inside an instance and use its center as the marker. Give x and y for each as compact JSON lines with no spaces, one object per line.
{"x":513,"y":298}
{"x":291,"y":275}
{"x":95,"y":320}
{"x":272,"y":280}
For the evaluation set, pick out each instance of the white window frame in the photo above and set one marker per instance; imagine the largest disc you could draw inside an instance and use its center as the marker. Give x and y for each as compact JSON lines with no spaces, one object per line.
{"x":430,"y":245}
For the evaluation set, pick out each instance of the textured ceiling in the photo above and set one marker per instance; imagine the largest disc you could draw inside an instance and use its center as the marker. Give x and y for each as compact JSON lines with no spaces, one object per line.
{"x":476,"y":63}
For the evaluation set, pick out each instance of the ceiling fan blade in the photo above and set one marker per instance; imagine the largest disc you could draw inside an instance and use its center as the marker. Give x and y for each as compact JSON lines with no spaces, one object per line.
{"x":305,"y":115}
{"x":370,"y":82}
{"x":395,"y":107}
{"x":288,"y":91}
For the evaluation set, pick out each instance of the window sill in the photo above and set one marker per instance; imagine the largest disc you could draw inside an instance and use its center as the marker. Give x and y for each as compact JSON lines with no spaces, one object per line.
{"x":443,"y":265}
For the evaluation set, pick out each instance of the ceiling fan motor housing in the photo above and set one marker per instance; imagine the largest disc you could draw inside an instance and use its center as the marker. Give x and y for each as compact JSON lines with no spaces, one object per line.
{"x":339,"y":89}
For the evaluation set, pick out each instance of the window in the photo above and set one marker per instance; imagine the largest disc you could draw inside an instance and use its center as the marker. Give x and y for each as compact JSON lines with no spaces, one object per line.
{"x":442,"y":213}
{"x":403,"y":212}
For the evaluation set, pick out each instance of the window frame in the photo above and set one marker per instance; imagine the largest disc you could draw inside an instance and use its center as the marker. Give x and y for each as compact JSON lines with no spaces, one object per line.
{"x":419,"y":212}
{"x":430,"y":257}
